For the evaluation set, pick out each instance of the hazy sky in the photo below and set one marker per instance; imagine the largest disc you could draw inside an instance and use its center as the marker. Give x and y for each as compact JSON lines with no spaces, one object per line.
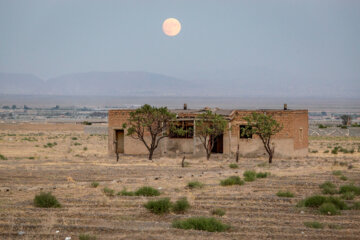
{"x":301,"y":40}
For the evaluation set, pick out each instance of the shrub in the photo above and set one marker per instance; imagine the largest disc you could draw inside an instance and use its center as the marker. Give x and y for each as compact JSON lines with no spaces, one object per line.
{"x":125,"y":193}
{"x":181,"y":205}
{"x":356,"y":206}
{"x":74,"y":138}
{"x":233,"y":180}
{"x":2,"y":157}
{"x":340,"y":204}
{"x":87,"y":237}
{"x":335,"y":150}
{"x":95,"y":184}
{"x":334,"y":226}
{"x":313,"y":225}
{"x":109,"y":192}
{"x":159,"y":206}
{"x":201,"y":223}
{"x":195,"y":184}
{"x":147,"y":191}
{"x":262,"y":174}
{"x":350,"y":188}
{"x":322,"y":126}
{"x":77,"y":144}
{"x":284,"y":194}
{"x":233,"y":165}
{"x":314,"y":201}
{"x":328,"y":209}
{"x":337,"y":173}
{"x":46,"y":200}
{"x":326,"y":151}
{"x":344,"y":178}
{"x":218,"y":211}
{"x":249,"y":176}
{"x":348,"y":196}
{"x":328,"y":188}
{"x":85,"y":148}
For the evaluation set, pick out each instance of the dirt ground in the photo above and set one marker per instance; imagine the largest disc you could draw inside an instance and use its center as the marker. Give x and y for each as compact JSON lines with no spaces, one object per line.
{"x":64,"y":160}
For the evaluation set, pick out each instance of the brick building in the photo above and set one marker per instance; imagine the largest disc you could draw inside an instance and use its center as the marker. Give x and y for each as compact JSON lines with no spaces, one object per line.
{"x":292,"y":141}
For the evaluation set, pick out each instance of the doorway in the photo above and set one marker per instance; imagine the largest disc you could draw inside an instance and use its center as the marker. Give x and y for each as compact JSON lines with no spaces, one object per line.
{"x":218,"y":144}
{"x":119,"y":141}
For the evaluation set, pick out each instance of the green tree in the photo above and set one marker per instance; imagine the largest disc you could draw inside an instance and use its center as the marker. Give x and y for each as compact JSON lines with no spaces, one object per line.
{"x":149,"y":125}
{"x":209,"y":125}
{"x":346,"y":120}
{"x":265,"y":127}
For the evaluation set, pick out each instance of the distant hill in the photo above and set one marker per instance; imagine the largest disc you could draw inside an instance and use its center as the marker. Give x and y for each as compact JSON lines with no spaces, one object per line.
{"x":97,"y":84}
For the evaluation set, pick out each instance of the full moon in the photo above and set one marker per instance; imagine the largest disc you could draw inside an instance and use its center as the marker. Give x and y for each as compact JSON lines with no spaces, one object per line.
{"x":171,"y":27}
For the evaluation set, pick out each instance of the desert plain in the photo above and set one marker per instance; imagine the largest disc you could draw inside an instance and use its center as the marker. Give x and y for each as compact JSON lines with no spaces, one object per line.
{"x":62,"y":159}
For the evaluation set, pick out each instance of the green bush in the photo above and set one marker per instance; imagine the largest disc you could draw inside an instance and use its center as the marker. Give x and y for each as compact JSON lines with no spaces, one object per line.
{"x":233,"y":165}
{"x":195,"y":184}
{"x":181,"y":205}
{"x":124,"y":192}
{"x":314,"y":201}
{"x":348,"y":196}
{"x":344,"y":178}
{"x":313,"y":225}
{"x":284,"y":194}
{"x":74,"y":138}
{"x":326,"y":151}
{"x":95,"y":184}
{"x":322,"y":126}
{"x":350,"y":188}
{"x":218,"y":211}
{"x":328,"y":188}
{"x":87,"y":237}
{"x":233,"y":180}
{"x":201,"y":223}
{"x":109,"y":192}
{"x":46,"y":200}
{"x":262,"y":174}
{"x":337,"y":173}
{"x":356,"y":206}
{"x":159,"y":206}
{"x":249,"y":176}
{"x":328,"y":208}
{"x":77,"y":144}
{"x":340,"y":204}
{"x":2,"y":157}
{"x":147,"y":191}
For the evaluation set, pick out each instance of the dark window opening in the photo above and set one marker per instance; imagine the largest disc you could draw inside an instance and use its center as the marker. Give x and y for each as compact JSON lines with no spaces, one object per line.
{"x":245,"y":131}
{"x":188,"y":127}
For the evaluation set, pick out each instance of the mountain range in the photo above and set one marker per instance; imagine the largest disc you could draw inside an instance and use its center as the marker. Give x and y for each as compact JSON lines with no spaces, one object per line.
{"x":97,"y":84}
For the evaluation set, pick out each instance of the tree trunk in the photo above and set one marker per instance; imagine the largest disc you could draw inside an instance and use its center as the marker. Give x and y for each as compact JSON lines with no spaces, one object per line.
{"x":183,"y":162}
{"x":151,"y":152}
{"x":208,"y":154}
{"x":270,"y":157}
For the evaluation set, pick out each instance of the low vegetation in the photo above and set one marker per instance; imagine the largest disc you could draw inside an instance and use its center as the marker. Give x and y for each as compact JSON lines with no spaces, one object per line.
{"x":337,"y":173}
{"x":287,"y":194}
{"x":124,"y":192}
{"x":328,"y":188}
{"x":95,"y":184}
{"x":161,"y":206}
{"x":87,"y":237}
{"x":46,"y":200}
{"x":2,"y":157}
{"x":201,"y":223}
{"x":195,"y":184}
{"x":262,"y":174}
{"x":218,"y":211}
{"x":328,"y":208}
{"x":147,"y":191}
{"x":180,"y":206}
{"x":314,"y":225}
{"x":249,"y":176}
{"x":349,"y":188}
{"x":325,"y":205}
{"x":109,"y":192}
{"x":233,"y":180}
{"x":233,"y":166}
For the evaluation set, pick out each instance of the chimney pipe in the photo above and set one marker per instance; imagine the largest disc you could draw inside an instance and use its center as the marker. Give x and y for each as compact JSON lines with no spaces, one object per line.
{"x":285,"y":106}
{"x":185,"y":106}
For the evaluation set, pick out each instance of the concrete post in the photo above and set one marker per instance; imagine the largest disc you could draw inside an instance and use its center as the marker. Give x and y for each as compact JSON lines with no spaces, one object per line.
{"x":194,"y":137}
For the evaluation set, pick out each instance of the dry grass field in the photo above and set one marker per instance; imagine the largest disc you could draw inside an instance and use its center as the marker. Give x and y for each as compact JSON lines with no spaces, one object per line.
{"x":62,"y":159}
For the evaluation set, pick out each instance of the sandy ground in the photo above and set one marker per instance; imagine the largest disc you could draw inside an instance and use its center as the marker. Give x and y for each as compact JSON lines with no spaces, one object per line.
{"x":68,"y":168}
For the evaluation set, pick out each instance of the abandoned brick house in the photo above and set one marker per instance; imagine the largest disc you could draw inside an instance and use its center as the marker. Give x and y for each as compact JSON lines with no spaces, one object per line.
{"x":292,"y":141}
